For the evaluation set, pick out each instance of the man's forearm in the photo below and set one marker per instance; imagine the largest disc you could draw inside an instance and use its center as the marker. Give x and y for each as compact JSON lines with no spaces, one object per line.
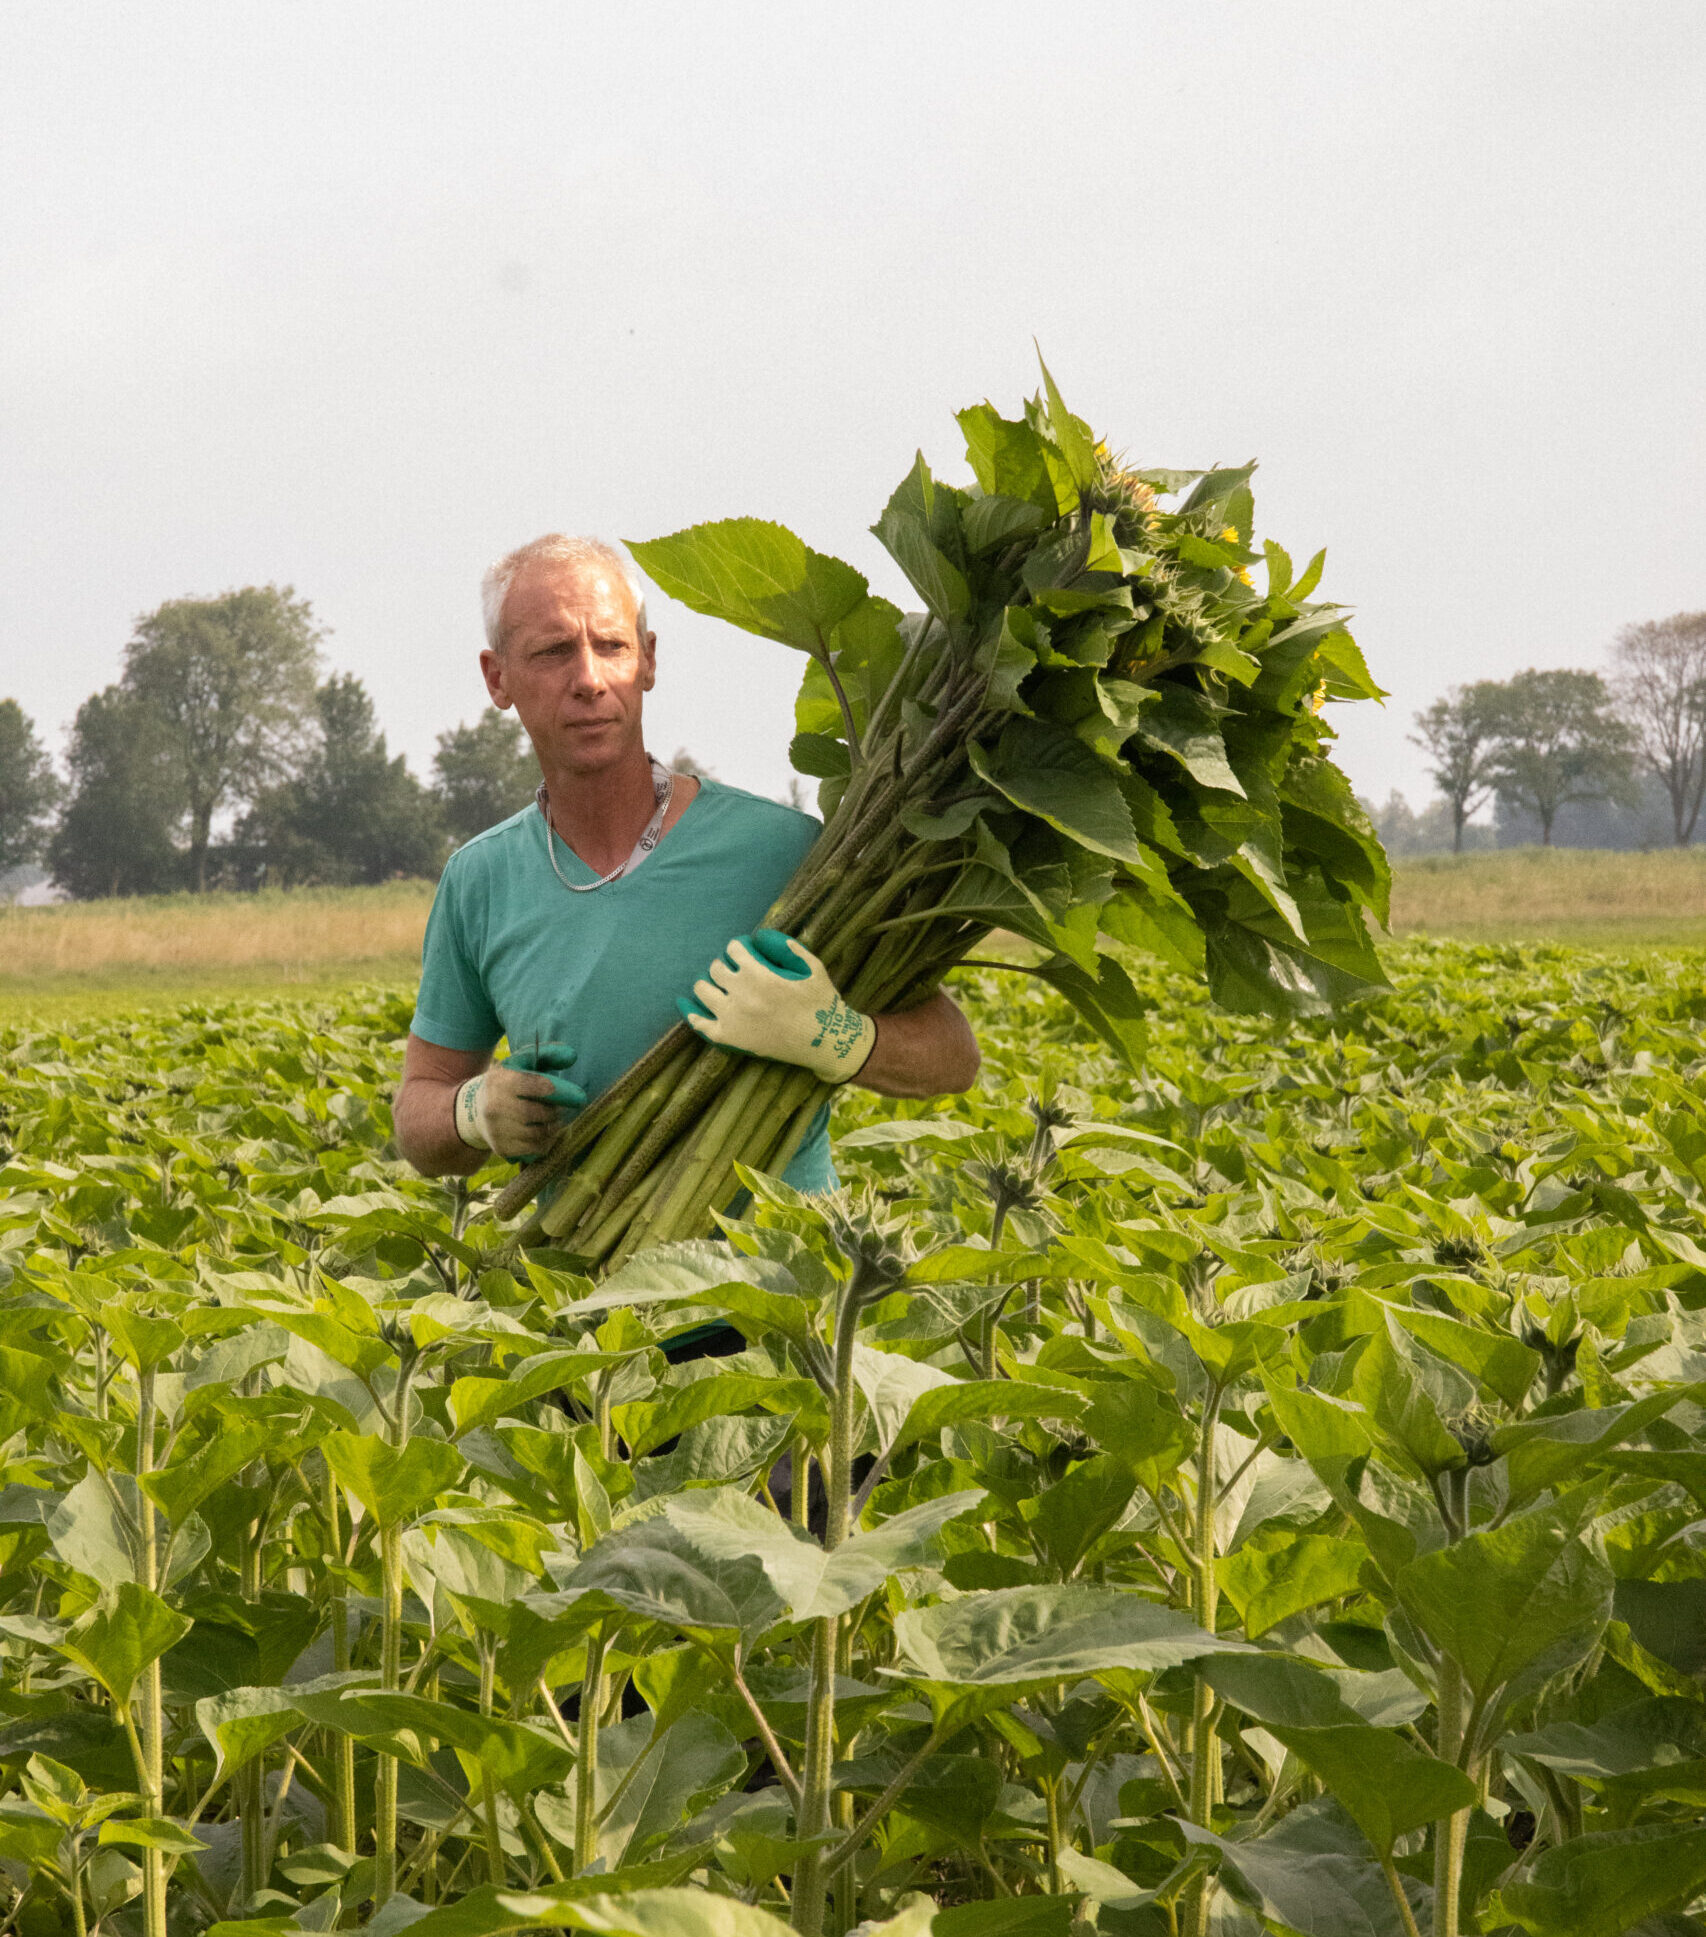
{"x":927,"y":1051}
{"x":424,"y":1119}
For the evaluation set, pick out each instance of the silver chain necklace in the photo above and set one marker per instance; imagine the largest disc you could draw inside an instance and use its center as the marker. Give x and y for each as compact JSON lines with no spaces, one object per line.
{"x":663,"y":790}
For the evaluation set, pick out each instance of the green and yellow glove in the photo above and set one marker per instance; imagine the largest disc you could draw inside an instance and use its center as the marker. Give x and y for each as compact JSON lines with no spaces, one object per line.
{"x":517,"y":1106}
{"x":771,"y":997}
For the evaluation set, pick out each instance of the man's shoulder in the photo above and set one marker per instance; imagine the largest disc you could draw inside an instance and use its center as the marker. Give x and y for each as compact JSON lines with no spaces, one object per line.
{"x":762,"y":815}
{"x":492,"y":846}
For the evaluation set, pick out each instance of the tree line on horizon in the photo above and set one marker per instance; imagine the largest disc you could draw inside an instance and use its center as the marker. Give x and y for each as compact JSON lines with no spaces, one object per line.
{"x":222,"y":758}
{"x":1551,"y":739}
{"x":225,"y":757}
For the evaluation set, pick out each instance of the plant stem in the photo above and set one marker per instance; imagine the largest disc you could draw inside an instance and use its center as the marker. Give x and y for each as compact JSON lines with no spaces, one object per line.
{"x":811,"y":1877}
{"x":251,"y":1785}
{"x":1162,"y":1750}
{"x":275,"y":1817}
{"x":390,"y":1664}
{"x":844,"y":1882}
{"x":683,"y":1088}
{"x":1451,"y":1727}
{"x":811,"y":1095}
{"x":1395,"y":1883}
{"x":1450,"y":1832}
{"x":1205,"y":1750}
{"x":819,"y":1758}
{"x":153,"y":1769}
{"x":754,"y":1136}
{"x":598,"y":1240}
{"x":680,"y":1201}
{"x":583,"y":1189}
{"x":540,"y":1841}
{"x":1051,"y":1798}
{"x":586,"y":1769}
{"x":844,"y":1852}
{"x":987,"y":1339}
{"x":342,"y":1824}
{"x":390,"y":1675}
{"x":705,"y":1165}
{"x":826,"y":660}
{"x":488,"y":1788}
{"x":896,"y":689}
{"x":79,"y":1920}
{"x":772,"y":1748}
{"x":532,"y":1179}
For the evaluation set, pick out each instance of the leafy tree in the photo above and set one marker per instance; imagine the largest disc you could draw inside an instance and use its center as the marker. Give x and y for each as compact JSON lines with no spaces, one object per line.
{"x":230,"y":683}
{"x":1557,"y":740}
{"x":116,"y":831}
{"x":1660,"y":687}
{"x":29,"y":789}
{"x":1637,"y":822}
{"x":1457,"y":733}
{"x":353,"y":814}
{"x":483,"y":774}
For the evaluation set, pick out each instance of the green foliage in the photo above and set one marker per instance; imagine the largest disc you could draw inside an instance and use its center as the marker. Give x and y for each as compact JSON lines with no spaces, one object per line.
{"x":29,"y":789}
{"x":227,"y":687}
{"x":1459,"y":734}
{"x":116,"y":834}
{"x":1271,"y":1466}
{"x":351,"y":814}
{"x":1556,"y":740}
{"x":1660,"y":690}
{"x":483,"y":773}
{"x":1107,"y":669}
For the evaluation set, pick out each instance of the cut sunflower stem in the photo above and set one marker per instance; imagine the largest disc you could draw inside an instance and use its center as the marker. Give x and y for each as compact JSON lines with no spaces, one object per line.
{"x":586,"y":1183}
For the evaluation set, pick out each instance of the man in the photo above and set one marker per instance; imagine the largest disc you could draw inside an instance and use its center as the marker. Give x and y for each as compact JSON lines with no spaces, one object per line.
{"x":577,"y":927}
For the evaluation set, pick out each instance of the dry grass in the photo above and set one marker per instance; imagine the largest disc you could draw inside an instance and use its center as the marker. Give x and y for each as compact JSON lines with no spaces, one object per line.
{"x":1564,"y":894}
{"x":106,"y":956}
{"x":282,"y":934}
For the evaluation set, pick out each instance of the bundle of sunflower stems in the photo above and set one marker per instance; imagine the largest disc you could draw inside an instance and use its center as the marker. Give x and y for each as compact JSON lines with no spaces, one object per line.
{"x":1099,"y":734}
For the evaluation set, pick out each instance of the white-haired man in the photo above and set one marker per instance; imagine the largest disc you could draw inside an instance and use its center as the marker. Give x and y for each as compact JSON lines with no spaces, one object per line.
{"x":576,"y":927}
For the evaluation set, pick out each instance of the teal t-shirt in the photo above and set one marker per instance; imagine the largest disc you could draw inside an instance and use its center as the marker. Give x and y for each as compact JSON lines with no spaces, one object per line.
{"x":510,"y":952}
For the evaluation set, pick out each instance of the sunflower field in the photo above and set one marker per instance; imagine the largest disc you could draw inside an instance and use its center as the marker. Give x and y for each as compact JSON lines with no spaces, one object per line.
{"x":1274,"y":1473}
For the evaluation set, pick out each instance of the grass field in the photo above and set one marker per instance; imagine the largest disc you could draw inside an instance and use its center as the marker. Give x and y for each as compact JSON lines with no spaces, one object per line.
{"x":1583,"y":896}
{"x":103,"y":956}
{"x":164,"y":951}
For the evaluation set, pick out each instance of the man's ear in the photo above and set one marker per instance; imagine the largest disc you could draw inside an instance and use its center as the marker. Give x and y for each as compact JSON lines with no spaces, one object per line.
{"x":492,"y":666}
{"x":649,"y":662}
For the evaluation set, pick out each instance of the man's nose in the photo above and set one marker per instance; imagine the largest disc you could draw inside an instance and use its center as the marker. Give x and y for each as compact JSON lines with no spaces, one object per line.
{"x":586,"y":675}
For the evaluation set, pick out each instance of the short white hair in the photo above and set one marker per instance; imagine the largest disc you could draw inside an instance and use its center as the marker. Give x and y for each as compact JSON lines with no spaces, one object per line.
{"x":494,"y":587}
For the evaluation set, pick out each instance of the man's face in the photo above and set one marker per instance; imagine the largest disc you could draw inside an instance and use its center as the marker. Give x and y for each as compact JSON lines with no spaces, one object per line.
{"x":572,"y":666}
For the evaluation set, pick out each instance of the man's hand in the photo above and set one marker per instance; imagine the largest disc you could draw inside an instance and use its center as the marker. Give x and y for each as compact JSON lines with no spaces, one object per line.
{"x":516,"y":1108}
{"x":771,"y":997}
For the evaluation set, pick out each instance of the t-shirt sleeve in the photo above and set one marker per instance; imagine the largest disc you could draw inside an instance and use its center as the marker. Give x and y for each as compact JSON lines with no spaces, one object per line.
{"x":790,"y":837}
{"x":453,"y":1009}
{"x":805,"y":836}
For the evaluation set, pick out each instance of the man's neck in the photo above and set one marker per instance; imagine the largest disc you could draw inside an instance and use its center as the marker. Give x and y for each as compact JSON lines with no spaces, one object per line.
{"x":601,"y":815}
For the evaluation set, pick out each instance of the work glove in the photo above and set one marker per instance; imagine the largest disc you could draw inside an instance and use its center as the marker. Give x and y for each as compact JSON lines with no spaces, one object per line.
{"x":771,"y":997}
{"x":516,"y":1107}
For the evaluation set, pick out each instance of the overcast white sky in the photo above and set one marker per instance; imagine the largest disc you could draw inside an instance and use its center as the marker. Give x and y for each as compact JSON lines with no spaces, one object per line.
{"x":354,"y":297}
